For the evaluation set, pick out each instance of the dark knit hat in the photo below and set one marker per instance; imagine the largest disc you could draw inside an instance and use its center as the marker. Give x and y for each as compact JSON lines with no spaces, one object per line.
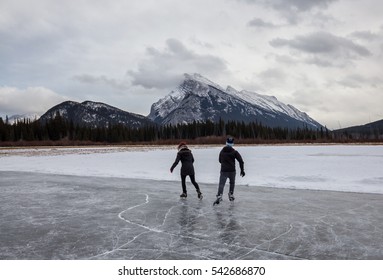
{"x":230,"y":141}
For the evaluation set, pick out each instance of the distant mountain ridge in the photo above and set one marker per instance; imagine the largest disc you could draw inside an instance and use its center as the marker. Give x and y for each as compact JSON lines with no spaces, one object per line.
{"x":195,"y":99}
{"x":95,"y":114}
{"x":199,"y":99}
{"x":372,"y":130}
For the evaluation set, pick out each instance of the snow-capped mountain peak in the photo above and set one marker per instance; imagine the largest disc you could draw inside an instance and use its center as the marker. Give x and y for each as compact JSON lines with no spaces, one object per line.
{"x":201,"y":79}
{"x":199,"y":99}
{"x":273,"y":104}
{"x":231,"y":90}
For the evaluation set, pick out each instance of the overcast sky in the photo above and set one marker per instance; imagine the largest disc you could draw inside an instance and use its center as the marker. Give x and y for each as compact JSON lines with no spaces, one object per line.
{"x":324,"y":57}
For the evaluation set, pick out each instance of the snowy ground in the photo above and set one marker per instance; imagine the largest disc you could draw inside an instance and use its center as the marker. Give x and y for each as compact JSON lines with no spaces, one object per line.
{"x":123,"y":203}
{"x":339,"y":168}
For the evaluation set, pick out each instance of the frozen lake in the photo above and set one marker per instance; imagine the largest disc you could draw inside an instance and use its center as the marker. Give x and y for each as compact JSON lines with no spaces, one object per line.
{"x":47,"y":216}
{"x":349,"y":168}
{"x":295,"y":202}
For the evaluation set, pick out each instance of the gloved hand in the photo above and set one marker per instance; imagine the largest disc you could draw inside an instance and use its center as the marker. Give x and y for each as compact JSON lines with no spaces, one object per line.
{"x":242,"y":173}
{"x":171,"y":170}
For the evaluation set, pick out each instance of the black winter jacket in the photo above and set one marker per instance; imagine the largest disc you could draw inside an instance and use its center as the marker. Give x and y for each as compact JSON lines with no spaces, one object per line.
{"x":187,"y":159}
{"x":227,"y":158}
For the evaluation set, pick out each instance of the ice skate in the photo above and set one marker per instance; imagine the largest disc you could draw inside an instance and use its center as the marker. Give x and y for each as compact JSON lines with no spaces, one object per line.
{"x":183,"y":195}
{"x":218,"y":200}
{"x":200,"y":196}
{"x":231,"y":197}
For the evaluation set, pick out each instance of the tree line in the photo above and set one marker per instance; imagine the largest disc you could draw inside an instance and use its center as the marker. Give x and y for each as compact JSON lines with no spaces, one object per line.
{"x":60,"y":129}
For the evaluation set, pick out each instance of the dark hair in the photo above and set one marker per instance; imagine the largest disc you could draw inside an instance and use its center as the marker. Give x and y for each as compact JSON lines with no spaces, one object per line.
{"x":181,"y":145}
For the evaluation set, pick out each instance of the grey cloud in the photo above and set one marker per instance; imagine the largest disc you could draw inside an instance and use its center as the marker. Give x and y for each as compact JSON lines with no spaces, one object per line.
{"x":323,"y":48}
{"x":34,"y":100}
{"x":177,"y":48}
{"x":365,"y":35}
{"x":151,"y":79}
{"x":353,"y":81}
{"x":325,"y":62}
{"x":90,"y":79}
{"x":285,"y":59}
{"x":322,"y":42}
{"x":291,"y":10}
{"x":24,"y":52}
{"x":197,"y":42}
{"x":359,"y":81}
{"x":301,"y":5}
{"x":164,"y":68}
{"x":272,"y":76}
{"x":257,"y":22}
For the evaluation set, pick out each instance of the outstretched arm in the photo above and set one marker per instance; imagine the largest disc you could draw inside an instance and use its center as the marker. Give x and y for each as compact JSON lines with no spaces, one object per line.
{"x":178,"y":158}
{"x":241,"y":163}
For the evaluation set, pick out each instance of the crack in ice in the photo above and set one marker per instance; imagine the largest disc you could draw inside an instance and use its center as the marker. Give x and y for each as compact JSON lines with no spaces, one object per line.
{"x":269,"y":241}
{"x":178,"y":235}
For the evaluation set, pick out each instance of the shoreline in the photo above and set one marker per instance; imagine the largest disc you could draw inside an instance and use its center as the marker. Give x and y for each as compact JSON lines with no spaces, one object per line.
{"x":213,"y":185}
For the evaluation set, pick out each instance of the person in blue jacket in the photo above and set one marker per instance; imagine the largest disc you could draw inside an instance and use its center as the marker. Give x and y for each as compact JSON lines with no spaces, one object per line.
{"x":187,"y":169}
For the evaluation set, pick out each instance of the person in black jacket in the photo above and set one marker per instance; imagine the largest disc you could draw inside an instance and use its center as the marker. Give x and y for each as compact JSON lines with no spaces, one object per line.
{"x":187,"y":169}
{"x":227,"y":158}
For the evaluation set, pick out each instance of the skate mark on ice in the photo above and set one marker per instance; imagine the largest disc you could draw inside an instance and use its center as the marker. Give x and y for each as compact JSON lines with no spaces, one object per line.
{"x":120,"y":215}
{"x":123,"y":215}
{"x":333,"y":215}
{"x":147,"y":229}
{"x":268,"y":251}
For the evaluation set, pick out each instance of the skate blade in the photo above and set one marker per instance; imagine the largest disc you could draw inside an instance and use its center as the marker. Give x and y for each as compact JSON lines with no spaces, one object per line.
{"x":216,"y":202}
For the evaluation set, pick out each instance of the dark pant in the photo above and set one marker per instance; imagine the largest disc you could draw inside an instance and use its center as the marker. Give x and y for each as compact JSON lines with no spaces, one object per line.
{"x":192,"y":179}
{"x":222,"y":181}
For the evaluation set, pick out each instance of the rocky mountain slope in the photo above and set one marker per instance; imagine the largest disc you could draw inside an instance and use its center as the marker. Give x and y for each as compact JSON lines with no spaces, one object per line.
{"x":199,"y":99}
{"x":373,"y":130}
{"x":95,"y":114}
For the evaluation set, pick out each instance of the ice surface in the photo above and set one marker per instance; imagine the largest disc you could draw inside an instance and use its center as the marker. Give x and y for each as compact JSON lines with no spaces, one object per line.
{"x":123,"y":203}
{"x":45,"y":216}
